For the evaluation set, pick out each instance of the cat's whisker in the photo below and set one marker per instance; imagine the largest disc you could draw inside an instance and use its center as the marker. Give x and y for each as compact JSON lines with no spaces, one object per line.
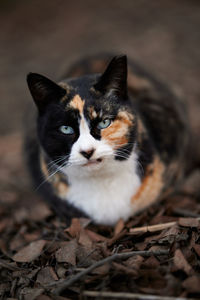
{"x":141,"y":168}
{"x":55,"y":162}
{"x":122,"y":156}
{"x":50,"y":176}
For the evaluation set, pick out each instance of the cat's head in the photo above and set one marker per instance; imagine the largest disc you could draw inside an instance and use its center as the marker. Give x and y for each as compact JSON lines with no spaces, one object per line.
{"x":86,"y":122}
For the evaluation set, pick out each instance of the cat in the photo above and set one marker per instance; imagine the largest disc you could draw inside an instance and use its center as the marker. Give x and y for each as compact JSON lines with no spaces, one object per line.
{"x":105,"y":147}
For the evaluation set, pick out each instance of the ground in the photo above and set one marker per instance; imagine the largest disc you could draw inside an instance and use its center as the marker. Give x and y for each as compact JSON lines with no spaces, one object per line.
{"x":38,"y":254}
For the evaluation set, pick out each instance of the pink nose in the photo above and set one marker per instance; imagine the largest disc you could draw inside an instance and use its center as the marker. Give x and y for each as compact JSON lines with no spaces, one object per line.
{"x":87,"y":153}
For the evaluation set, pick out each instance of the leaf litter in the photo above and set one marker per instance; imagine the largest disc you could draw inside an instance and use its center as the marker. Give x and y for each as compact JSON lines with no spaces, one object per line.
{"x":155,"y":253}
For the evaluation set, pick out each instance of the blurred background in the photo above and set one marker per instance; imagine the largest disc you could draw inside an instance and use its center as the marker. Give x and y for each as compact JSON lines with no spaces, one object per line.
{"x":47,"y":36}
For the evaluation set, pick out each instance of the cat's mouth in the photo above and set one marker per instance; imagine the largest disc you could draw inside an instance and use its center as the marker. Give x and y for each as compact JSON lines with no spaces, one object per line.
{"x":93,"y":162}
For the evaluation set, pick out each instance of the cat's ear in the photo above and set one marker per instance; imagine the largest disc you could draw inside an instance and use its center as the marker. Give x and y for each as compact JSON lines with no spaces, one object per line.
{"x":114,"y":79}
{"x":43,"y":90}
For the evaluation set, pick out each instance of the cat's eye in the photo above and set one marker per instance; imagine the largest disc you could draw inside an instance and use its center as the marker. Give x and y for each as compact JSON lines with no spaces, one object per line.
{"x":104,"y":124}
{"x":66,"y":129}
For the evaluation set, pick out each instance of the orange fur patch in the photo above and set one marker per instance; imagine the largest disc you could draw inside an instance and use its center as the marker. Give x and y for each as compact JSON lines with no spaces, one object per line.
{"x":151,"y":187}
{"x":77,"y":103}
{"x":61,"y":188}
{"x":92,"y":113}
{"x":116,"y":133}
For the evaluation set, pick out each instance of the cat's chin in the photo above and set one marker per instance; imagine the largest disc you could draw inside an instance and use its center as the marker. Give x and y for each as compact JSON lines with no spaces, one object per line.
{"x":93,"y":164}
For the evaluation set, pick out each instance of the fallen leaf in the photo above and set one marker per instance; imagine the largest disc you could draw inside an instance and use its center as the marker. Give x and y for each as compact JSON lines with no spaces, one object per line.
{"x":74,"y":228}
{"x":134,"y":262}
{"x":151,"y":263}
{"x":30,"y":237}
{"x":102,"y":270}
{"x":30,"y":293}
{"x":119,"y":227}
{"x":46,"y":276}
{"x":84,"y":239}
{"x":181,"y":263}
{"x":124,"y":269}
{"x":197,"y":249}
{"x":30,"y":252}
{"x":17,"y":242}
{"x":67,"y":252}
{"x":95,"y":237}
{"x":84,"y":222}
{"x":192,"y":284}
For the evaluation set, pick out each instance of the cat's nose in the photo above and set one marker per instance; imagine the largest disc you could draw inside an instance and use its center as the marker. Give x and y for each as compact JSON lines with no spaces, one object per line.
{"x":87,"y":153}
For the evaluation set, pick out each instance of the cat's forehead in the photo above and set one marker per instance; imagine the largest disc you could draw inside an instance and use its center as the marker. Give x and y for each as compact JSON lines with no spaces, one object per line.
{"x":82,"y":86}
{"x":81,"y":96}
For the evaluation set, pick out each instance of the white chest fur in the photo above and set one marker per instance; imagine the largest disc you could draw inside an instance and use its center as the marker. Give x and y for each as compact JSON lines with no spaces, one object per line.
{"x":105,"y":195}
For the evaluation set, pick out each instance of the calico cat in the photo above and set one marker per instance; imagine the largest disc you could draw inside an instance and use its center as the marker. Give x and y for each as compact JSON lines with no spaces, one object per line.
{"x":106,"y":147}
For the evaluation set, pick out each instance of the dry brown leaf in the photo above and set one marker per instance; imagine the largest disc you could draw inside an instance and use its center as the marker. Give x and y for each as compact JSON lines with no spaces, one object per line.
{"x":75,"y":228}
{"x":124,"y":269}
{"x":95,"y":237}
{"x":151,"y":263}
{"x":30,"y":252}
{"x":192,"y":284}
{"x":84,"y":239}
{"x":197,"y":249}
{"x":119,"y":227}
{"x":134,"y":262}
{"x":181,"y":263}
{"x":188,"y":222}
{"x":102,"y":270}
{"x":84,"y":222}
{"x":46,"y":276}
{"x":30,"y":237}
{"x":17,"y":242}
{"x":67,"y":252}
{"x":30,"y":293}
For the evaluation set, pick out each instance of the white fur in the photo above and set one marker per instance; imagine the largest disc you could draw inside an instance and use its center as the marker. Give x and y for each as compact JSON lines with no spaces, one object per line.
{"x":102,"y":190}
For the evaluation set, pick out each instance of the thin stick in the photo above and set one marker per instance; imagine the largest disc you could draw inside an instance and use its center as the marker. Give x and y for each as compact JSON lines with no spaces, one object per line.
{"x":61,"y":286}
{"x":130,"y":296}
{"x":151,"y":228}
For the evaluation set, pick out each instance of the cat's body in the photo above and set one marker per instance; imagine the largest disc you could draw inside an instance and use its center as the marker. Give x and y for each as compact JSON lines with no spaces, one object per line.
{"x":116,"y":148}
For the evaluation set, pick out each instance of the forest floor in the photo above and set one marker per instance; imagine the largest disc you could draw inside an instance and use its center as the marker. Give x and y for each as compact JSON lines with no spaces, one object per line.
{"x":156,"y":253}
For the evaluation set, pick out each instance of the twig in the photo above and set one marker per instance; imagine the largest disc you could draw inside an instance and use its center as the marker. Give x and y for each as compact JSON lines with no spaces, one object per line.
{"x":151,"y":228}
{"x":130,"y":296}
{"x":61,"y":286}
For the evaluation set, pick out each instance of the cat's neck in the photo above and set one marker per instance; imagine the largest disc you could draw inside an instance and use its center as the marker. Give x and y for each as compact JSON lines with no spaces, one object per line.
{"x":105,"y":196}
